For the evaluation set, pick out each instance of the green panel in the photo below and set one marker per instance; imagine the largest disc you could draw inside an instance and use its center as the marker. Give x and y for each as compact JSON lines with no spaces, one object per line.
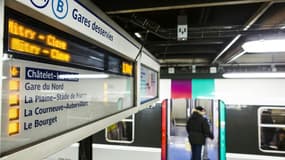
{"x":222,"y":131}
{"x":203,"y":88}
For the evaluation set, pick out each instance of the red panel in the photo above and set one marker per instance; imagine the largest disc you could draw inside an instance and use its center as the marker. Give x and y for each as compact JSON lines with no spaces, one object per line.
{"x":181,"y":89}
{"x":163,"y":130}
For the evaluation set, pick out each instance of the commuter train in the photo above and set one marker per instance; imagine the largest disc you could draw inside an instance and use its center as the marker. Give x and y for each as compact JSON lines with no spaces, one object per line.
{"x":249,"y":126}
{"x":254,"y":116}
{"x":67,"y":72}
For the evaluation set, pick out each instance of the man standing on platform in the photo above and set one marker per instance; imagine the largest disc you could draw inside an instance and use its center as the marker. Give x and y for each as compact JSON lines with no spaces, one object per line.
{"x":198,"y":130}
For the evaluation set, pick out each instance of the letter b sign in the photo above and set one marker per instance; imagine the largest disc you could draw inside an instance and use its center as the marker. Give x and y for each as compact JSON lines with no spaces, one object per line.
{"x":60,"y":5}
{"x":60,"y":8}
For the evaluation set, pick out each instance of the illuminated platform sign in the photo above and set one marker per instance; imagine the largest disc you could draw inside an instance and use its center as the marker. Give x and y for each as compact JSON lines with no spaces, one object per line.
{"x":127,"y":68}
{"x":44,"y":100}
{"x":39,"y":43}
{"x":25,"y":39}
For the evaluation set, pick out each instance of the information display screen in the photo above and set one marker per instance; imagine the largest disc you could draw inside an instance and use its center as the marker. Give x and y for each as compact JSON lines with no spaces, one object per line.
{"x":54,"y":84}
{"x":113,"y":64}
{"x":27,"y":40}
{"x":148,"y":87}
{"x":43,"y":100}
{"x":47,"y":43}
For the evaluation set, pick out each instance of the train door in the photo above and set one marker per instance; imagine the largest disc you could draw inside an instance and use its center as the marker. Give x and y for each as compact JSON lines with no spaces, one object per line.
{"x":211,"y":148}
{"x":177,"y":138}
{"x":178,"y":144}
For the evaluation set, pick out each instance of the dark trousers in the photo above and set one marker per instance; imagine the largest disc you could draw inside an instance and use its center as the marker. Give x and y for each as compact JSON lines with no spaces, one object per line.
{"x":196,"y":151}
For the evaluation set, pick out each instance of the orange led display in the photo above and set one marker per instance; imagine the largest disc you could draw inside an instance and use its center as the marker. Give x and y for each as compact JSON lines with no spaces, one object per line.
{"x":13,"y":113}
{"x":127,"y":68}
{"x":51,"y":40}
{"x":13,"y":128}
{"x":13,"y":99}
{"x":20,"y":30}
{"x":59,"y":55}
{"x":41,"y":37}
{"x":27,"y":40}
{"x":14,"y":85}
{"x":15,"y":72}
{"x":23,"y":46}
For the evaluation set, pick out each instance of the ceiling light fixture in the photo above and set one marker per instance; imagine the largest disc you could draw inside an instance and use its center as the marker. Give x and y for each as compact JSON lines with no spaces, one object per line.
{"x":137,"y":34}
{"x":262,"y":46}
{"x":236,"y":56}
{"x":254,"y":75}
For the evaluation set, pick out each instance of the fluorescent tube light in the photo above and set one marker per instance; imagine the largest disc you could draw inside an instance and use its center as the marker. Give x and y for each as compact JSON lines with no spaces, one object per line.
{"x":261,"y":46}
{"x":255,"y":75}
{"x":237,"y":56}
{"x":138,"y":35}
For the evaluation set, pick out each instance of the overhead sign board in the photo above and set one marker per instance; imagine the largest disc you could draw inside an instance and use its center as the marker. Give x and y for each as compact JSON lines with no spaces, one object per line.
{"x":73,"y":14}
{"x":44,"y":42}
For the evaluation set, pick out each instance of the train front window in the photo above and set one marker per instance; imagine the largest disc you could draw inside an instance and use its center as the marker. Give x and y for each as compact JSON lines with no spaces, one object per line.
{"x":271,"y":129}
{"x":121,"y":132}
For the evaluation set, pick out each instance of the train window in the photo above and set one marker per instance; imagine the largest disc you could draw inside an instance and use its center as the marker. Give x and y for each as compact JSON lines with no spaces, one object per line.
{"x":148,"y":88}
{"x":121,"y":132}
{"x":271,"y":129}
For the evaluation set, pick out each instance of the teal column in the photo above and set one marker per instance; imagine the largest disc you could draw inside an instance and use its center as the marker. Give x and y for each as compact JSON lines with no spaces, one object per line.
{"x":222,"y":131}
{"x":203,"y":88}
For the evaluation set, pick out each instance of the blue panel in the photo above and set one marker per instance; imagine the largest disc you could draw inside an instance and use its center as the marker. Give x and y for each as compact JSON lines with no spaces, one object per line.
{"x":222,"y":131}
{"x":203,"y":88}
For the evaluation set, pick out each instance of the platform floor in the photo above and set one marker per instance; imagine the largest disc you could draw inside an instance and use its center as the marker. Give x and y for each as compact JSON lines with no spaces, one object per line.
{"x":179,"y":147}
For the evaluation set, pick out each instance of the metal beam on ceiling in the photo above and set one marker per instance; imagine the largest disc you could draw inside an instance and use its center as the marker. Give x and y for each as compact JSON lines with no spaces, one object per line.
{"x":273,"y":21}
{"x":207,"y":35}
{"x":184,"y":43}
{"x":186,"y":52}
{"x":183,"y":50}
{"x":247,"y":25}
{"x":186,"y":64}
{"x":188,"y":61}
{"x":204,"y":34}
{"x":199,"y":5}
{"x":188,"y":55}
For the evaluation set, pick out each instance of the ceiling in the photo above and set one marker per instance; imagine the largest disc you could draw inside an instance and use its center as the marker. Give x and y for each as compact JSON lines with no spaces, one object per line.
{"x":216,"y":29}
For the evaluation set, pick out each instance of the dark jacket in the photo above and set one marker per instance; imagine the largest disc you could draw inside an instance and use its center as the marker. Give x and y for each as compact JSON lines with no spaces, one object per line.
{"x":198,"y":128}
